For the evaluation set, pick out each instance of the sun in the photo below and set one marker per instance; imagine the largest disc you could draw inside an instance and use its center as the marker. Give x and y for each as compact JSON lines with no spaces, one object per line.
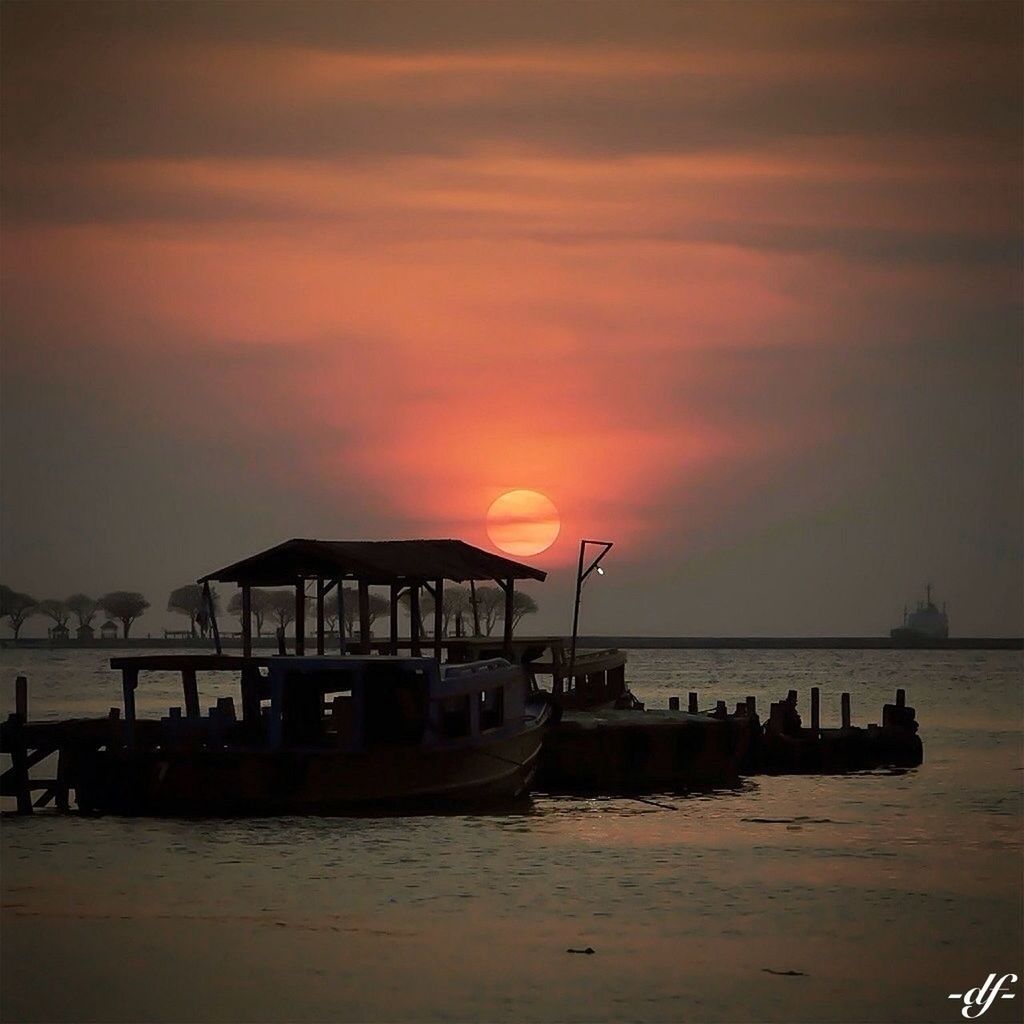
{"x":523,"y":522}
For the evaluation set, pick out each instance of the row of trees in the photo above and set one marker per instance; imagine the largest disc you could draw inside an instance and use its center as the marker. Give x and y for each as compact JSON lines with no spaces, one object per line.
{"x":124,"y":605}
{"x":277,"y":608}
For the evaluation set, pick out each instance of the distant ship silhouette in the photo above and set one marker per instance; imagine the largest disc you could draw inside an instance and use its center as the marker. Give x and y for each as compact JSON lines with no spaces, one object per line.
{"x":925,"y":622}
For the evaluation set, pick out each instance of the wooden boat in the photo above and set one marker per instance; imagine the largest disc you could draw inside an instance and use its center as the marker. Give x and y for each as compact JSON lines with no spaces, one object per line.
{"x":332,"y":734}
{"x":327,"y":733}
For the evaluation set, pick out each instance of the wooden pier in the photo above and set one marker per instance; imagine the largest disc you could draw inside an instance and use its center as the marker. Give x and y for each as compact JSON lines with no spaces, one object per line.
{"x":606,"y":750}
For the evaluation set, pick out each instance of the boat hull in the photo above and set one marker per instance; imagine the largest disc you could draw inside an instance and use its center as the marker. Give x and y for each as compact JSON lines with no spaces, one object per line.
{"x":296,"y":781}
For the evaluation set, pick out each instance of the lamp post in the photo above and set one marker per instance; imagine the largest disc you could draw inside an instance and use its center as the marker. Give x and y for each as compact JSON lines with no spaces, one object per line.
{"x":581,"y":576}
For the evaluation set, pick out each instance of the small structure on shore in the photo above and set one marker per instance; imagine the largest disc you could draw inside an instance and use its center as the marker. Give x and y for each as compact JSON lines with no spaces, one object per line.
{"x":108,"y":631}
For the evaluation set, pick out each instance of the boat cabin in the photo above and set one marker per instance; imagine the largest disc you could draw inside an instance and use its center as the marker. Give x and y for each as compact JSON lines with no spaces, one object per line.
{"x":349,"y":703}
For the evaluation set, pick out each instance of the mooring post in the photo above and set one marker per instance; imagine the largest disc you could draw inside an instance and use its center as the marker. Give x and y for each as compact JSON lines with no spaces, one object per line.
{"x":792,"y":697}
{"x":191,"y":691}
{"x":751,"y":707}
{"x":19,"y":750}
{"x":816,"y":710}
{"x":721,"y":710}
{"x":692,"y":703}
{"x":673,"y":703}
{"x":129,"y":682}
{"x":846,"y":710}
{"x":901,"y":698}
{"x":61,"y":787}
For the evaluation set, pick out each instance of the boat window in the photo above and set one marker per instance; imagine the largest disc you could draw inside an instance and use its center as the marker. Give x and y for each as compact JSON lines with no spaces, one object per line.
{"x":395,"y":705}
{"x":303,"y":718}
{"x":492,"y":708}
{"x":455,"y":720}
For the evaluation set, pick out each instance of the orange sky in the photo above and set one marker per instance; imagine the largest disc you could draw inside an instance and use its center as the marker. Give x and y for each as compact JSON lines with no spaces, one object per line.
{"x":367,"y":266}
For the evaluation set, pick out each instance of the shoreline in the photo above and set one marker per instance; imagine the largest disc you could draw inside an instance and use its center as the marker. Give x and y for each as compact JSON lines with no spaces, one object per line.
{"x":768,"y":643}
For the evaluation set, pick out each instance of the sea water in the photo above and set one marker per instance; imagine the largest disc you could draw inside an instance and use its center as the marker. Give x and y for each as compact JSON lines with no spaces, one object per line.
{"x":869,"y":897}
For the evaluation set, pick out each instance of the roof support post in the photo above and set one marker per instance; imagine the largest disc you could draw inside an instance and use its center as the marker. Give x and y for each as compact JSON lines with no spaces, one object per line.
{"x":476,"y":608}
{"x":364,"y":617}
{"x":129,"y":681}
{"x":211,"y":611}
{"x":395,"y":590}
{"x":300,"y":617}
{"x":320,"y":614}
{"x":414,"y":619}
{"x":246,"y":620}
{"x":510,"y":590}
{"x":342,"y":621}
{"x":438,"y":620}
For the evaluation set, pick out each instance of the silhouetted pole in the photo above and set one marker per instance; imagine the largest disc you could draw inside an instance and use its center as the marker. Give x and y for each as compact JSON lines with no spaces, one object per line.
{"x":476,"y":609}
{"x":438,"y":619}
{"x":208,"y":596}
{"x":606,"y":546}
{"x":846,"y":710}
{"x":246,"y":620}
{"x":815,"y":710}
{"x":300,"y":617}
{"x":364,"y":617}
{"x":395,"y":593}
{"x":414,"y":615}
{"x":342,"y":620}
{"x":320,"y":615}
{"x":21,"y":697}
{"x":510,"y":592}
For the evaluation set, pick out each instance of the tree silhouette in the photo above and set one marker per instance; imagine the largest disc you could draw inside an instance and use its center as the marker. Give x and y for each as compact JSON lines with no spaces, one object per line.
{"x":188,"y":601}
{"x":522,"y":604}
{"x":378,"y":606}
{"x":490,"y":602}
{"x":260,"y":601}
{"x":126,"y":605}
{"x":455,"y":601}
{"x":84,"y":608}
{"x":281,"y":605}
{"x":16,"y":607}
{"x":56,"y":610}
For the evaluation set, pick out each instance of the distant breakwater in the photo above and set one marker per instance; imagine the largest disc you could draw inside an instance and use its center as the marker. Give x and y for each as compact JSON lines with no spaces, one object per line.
{"x":725,"y":643}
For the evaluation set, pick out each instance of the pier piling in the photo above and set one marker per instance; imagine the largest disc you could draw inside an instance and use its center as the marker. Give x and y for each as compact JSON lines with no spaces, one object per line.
{"x":692,"y":705}
{"x":751,"y":706}
{"x":901,"y":698}
{"x":816,"y":710}
{"x":21,"y":697}
{"x":673,"y":703}
{"x":845,"y":699}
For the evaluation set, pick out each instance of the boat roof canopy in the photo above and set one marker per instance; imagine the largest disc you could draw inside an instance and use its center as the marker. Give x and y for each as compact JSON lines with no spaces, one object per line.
{"x":372,"y":561}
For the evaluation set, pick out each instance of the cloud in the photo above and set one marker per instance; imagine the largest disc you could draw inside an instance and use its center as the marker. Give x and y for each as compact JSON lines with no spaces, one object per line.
{"x":370,"y":265}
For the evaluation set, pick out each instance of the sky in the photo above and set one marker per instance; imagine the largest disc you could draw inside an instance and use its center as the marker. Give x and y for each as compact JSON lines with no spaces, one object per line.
{"x":736,"y":286}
